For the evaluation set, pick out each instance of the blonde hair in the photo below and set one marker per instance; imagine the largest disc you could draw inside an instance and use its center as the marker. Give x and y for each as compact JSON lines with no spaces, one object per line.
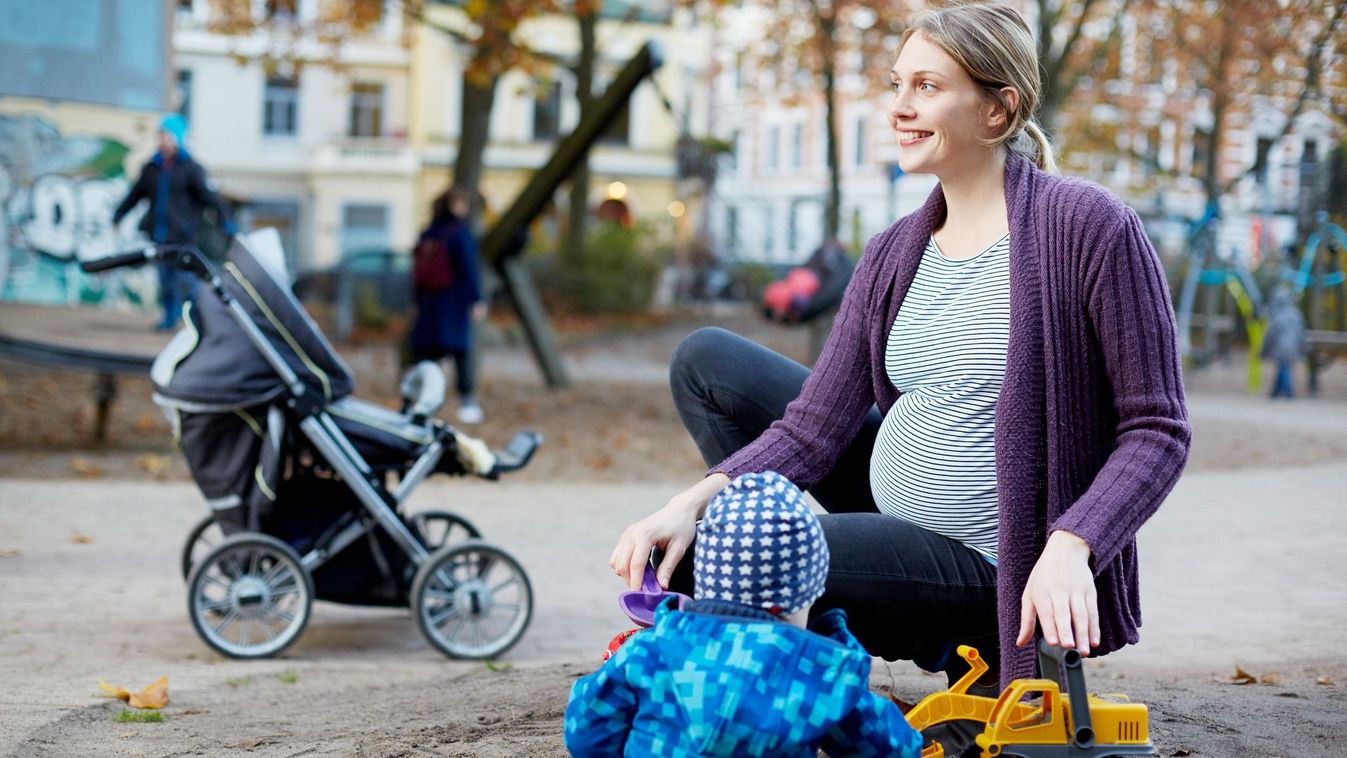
{"x":995,"y":46}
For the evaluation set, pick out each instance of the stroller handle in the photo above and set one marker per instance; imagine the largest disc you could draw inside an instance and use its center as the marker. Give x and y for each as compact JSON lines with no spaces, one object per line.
{"x":118,"y":260}
{"x":185,"y":257}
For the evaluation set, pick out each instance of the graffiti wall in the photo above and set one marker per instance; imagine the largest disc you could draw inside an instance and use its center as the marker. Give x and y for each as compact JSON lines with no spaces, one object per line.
{"x":57,"y":195}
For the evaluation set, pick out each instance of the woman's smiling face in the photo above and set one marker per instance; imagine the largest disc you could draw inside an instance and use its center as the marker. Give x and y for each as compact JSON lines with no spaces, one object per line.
{"x":937,"y":111}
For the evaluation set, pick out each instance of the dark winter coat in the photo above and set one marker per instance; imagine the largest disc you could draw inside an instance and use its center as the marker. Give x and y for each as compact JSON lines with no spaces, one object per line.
{"x":444,"y":318}
{"x":175,"y":209}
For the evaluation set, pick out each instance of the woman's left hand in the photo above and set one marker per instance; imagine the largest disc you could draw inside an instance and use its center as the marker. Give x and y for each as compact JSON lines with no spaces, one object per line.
{"x":1060,"y":595}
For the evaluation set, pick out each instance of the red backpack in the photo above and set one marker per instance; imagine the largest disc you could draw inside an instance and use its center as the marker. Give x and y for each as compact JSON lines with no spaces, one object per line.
{"x":432,"y":269}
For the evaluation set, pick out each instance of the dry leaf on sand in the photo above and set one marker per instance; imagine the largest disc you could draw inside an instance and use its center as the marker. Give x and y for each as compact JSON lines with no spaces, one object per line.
{"x":153,"y":696}
{"x":86,"y":468}
{"x":154,"y":465}
{"x":1243,"y":677}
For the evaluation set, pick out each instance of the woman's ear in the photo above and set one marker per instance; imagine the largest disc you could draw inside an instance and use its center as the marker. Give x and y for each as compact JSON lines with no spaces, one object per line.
{"x":998,"y":118}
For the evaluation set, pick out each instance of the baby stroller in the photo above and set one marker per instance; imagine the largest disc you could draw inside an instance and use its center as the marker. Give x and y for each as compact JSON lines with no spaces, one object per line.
{"x":306,"y":483}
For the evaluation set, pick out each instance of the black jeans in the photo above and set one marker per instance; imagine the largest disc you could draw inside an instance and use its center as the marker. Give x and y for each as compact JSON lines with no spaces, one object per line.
{"x":909,"y":593}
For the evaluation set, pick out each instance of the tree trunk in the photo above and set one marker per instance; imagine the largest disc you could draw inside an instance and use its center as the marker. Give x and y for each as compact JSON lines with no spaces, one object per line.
{"x":473,"y":135}
{"x":1218,"y":84}
{"x":833,"y":212}
{"x":578,"y":212}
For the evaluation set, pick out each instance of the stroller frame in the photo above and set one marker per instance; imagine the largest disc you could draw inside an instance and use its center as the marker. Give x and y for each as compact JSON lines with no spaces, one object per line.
{"x":435,"y":570}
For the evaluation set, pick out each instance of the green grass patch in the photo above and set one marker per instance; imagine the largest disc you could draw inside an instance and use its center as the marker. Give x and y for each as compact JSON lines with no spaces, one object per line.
{"x":239,"y":681}
{"x":287,"y":677}
{"x":128,"y":716}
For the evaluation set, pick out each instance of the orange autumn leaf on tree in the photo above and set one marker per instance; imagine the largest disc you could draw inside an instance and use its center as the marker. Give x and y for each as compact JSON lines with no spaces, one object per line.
{"x":153,"y":696}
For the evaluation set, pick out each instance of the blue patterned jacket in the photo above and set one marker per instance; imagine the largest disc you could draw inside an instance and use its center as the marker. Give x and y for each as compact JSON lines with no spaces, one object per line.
{"x":723,"y":679}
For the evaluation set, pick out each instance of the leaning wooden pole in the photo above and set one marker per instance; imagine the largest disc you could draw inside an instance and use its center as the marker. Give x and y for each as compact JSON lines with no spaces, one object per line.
{"x":505,"y":240}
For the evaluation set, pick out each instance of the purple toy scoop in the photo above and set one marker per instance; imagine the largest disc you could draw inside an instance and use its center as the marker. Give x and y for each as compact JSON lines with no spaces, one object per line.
{"x":640,"y":605}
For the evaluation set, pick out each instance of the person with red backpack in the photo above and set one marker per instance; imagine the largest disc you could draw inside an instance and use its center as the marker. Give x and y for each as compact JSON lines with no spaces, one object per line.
{"x":448,"y":288}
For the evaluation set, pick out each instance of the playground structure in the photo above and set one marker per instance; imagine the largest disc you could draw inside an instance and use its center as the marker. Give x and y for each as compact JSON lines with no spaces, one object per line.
{"x":1219,"y":296}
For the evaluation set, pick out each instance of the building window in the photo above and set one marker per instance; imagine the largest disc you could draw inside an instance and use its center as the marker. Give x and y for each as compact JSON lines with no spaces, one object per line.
{"x":732,"y":228}
{"x":369,"y":12}
{"x":280,"y":107}
{"x":281,"y":215}
{"x":547,"y":113}
{"x":281,"y":9}
{"x":642,"y":11}
{"x":773,"y":147}
{"x":768,"y":233}
{"x":185,"y":93}
{"x":619,"y":131}
{"x":364,"y":227}
{"x":796,"y":146}
{"x":793,"y":228}
{"x":860,"y":142}
{"x":367,"y":109}
{"x":1260,"y":159}
{"x":184,"y":7}
{"x":732,"y":157}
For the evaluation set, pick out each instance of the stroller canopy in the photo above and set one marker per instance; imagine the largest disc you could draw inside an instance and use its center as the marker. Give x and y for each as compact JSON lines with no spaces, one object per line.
{"x":213,"y":365}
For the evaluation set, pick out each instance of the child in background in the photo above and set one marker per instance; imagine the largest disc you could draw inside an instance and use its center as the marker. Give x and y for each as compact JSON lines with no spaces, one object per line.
{"x":1284,"y":342}
{"x":736,"y":672}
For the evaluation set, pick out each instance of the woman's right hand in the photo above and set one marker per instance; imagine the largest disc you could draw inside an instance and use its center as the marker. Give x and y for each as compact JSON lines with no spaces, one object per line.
{"x":670,"y":528}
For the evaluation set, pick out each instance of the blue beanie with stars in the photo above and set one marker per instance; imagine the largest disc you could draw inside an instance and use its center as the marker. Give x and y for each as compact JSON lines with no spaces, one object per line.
{"x":759,"y":544}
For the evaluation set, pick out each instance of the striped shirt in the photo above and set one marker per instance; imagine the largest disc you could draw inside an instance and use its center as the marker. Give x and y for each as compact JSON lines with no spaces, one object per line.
{"x":934,"y":461}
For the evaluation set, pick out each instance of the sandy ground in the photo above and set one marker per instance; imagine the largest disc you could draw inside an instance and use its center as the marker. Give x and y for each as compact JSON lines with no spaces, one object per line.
{"x":1238,"y":569}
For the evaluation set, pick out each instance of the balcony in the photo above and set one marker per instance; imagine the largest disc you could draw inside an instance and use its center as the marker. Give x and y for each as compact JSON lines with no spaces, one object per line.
{"x":380,"y":155}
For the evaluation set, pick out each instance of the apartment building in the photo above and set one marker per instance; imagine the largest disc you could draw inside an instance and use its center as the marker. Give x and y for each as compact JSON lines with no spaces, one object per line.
{"x":344,"y":152}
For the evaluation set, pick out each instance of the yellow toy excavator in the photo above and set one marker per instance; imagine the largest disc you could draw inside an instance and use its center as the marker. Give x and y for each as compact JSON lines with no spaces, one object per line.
{"x":1086,"y":726}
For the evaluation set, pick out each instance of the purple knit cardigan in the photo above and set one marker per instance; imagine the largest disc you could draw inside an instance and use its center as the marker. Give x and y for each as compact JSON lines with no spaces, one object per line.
{"x":1091,"y":427}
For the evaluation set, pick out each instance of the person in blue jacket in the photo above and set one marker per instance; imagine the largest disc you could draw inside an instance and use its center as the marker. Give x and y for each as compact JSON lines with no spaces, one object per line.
{"x":445,"y":314}
{"x":177,"y":190}
{"x":735,"y":672}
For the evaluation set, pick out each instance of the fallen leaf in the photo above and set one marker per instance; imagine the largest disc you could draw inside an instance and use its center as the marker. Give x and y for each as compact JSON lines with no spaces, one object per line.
{"x":601,"y":463}
{"x":153,"y":464}
{"x":81,"y":539}
{"x":497,"y":667}
{"x":146,"y":422}
{"x":1270,"y":679}
{"x":254,"y":743}
{"x":86,"y":468}
{"x":1243,"y":677}
{"x":153,"y":696}
{"x":1324,"y":681}
{"x":10,"y":553}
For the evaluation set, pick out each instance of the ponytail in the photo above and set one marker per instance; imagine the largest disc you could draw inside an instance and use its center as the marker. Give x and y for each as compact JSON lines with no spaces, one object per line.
{"x":1033,"y":144}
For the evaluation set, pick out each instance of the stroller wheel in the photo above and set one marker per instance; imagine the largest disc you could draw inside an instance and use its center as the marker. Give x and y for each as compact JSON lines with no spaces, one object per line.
{"x":249,"y":597}
{"x":204,"y":536}
{"x":438,"y":528}
{"x":472,"y":600}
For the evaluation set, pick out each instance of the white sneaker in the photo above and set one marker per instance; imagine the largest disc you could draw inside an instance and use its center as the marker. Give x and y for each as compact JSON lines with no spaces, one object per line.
{"x":470,"y":413}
